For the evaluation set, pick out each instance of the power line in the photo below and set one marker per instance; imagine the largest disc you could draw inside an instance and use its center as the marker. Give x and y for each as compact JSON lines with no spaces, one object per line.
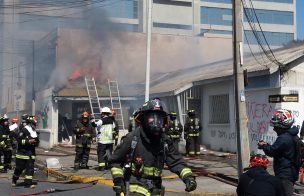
{"x":75,"y":5}
{"x":268,"y":52}
{"x":251,"y":51}
{"x":64,"y":15}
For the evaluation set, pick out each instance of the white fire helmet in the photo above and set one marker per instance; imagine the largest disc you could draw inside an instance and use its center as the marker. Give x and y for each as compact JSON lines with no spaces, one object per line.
{"x":106,"y":110}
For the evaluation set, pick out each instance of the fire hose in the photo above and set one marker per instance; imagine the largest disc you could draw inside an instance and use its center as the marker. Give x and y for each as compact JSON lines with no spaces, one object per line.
{"x":53,"y":190}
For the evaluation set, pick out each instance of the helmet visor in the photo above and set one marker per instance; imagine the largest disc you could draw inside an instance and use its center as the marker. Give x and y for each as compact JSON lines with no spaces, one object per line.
{"x":155,"y":119}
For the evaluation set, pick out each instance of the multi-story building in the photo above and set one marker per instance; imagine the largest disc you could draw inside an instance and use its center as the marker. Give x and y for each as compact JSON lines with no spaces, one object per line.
{"x":22,"y":23}
{"x":214,"y":18}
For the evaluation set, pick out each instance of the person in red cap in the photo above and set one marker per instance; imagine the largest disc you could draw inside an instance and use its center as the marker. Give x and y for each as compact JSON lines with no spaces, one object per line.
{"x":257,"y":181}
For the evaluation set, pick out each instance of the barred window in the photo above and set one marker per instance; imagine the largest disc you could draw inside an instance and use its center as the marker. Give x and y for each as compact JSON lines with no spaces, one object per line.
{"x":219,"y":109}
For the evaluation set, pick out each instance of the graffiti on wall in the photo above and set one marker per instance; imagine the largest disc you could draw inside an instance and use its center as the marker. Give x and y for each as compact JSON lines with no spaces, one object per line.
{"x":223,"y":134}
{"x":43,"y":116}
{"x":259,"y":115}
{"x":255,"y":137}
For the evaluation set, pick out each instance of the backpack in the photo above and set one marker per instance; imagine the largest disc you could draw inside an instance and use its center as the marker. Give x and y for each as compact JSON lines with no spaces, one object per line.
{"x":299,"y":153}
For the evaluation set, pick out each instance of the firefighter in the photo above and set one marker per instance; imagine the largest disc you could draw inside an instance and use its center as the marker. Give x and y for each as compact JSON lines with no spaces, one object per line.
{"x":192,"y":130}
{"x":14,"y":130}
{"x":143,"y":153}
{"x":105,"y":140}
{"x":5,"y":144}
{"x":174,"y":129}
{"x":85,"y":135}
{"x":132,"y":123}
{"x":116,"y":128}
{"x":28,"y":140}
{"x":23,"y":121}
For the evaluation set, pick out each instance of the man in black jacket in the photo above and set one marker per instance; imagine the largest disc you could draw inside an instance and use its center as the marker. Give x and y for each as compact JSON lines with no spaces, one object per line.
{"x":283,"y":150}
{"x":143,"y":153}
{"x":28,"y":140}
{"x":256,"y":181}
{"x":5,"y":144}
{"x":85,"y":135}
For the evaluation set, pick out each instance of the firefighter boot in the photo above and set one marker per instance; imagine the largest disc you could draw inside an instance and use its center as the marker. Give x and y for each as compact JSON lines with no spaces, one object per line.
{"x":302,"y":175}
{"x":14,"y":180}
{"x":31,"y":186}
{"x":76,"y":166}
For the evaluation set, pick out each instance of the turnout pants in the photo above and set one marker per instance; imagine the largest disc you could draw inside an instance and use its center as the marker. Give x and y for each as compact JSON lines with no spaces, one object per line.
{"x":7,"y":159}
{"x":193,"y":146}
{"x":102,"y":149}
{"x":82,"y":156}
{"x":28,"y":166}
{"x":175,"y":143}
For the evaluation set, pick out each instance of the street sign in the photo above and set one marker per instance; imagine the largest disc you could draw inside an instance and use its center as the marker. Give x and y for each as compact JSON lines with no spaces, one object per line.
{"x":283,"y":98}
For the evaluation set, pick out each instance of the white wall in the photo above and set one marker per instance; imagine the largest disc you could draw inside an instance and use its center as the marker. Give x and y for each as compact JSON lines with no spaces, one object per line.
{"x":259,"y":112}
{"x":218,"y":136}
{"x":47,"y":113}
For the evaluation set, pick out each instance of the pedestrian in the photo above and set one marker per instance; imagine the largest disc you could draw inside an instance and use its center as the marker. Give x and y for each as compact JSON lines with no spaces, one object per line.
{"x":256,"y":181}
{"x":192,"y":132}
{"x":6,"y":139}
{"x":174,"y":129}
{"x":28,"y":140}
{"x":85,"y":135}
{"x":283,"y":150}
{"x":105,"y":140}
{"x":143,"y":153}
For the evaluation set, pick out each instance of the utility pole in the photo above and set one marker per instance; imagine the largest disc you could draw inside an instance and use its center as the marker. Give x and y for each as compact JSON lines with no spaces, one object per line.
{"x":243,"y":150}
{"x":33,"y":79}
{"x":149,"y":29}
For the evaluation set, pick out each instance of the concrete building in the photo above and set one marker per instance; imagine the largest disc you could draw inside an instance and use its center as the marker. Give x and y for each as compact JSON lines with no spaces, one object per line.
{"x":214,"y":18}
{"x":208,"y":18}
{"x":207,"y":88}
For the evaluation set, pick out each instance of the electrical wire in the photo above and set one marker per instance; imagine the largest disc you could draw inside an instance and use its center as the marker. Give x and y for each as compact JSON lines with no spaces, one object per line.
{"x":270,"y":50}
{"x":251,"y":21}
{"x":251,"y":51}
{"x":74,"y":5}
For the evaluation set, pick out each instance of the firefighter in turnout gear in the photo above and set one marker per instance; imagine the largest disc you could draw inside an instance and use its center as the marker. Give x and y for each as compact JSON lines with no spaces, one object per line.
{"x":14,"y":130}
{"x":5,"y":144}
{"x":105,"y":140}
{"x":132,"y":122}
{"x":174,"y":130}
{"x":28,"y":140}
{"x":143,"y":153}
{"x":85,"y":135}
{"x":23,"y":121}
{"x":116,"y":128}
{"x":192,"y":130}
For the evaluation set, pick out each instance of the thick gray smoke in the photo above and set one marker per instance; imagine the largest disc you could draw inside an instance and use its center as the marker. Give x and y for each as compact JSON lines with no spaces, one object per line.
{"x":103,"y":51}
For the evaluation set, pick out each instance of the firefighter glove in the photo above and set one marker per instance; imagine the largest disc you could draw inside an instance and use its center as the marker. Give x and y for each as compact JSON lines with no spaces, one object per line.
{"x":2,"y":144}
{"x":190,"y":183}
{"x":119,"y":185}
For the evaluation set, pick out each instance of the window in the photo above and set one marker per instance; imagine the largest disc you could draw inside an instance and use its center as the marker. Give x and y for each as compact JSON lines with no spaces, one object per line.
{"x":277,"y":1}
{"x":216,"y":16}
{"x":218,"y":1}
{"x":216,"y":31}
{"x":172,"y":26}
{"x":273,"y":38}
{"x":123,"y":9}
{"x":271,"y":16}
{"x":219,"y":109}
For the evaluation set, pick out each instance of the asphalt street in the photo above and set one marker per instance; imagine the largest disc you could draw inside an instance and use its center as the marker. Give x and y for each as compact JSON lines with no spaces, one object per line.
{"x":60,"y":189}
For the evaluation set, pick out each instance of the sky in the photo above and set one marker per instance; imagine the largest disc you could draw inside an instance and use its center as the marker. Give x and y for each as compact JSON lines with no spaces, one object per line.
{"x":300,"y":19}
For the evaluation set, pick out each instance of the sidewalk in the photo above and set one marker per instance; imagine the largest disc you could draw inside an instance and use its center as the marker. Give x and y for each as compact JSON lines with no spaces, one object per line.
{"x":210,"y":161}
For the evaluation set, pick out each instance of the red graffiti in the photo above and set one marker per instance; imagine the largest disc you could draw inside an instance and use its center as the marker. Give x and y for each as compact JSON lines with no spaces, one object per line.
{"x":259,"y":115}
{"x":258,"y":110}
